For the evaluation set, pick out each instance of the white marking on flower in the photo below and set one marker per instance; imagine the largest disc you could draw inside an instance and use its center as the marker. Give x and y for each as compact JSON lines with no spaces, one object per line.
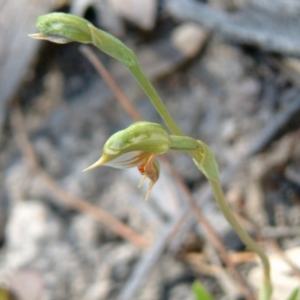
{"x":127,"y":160}
{"x":139,"y":138}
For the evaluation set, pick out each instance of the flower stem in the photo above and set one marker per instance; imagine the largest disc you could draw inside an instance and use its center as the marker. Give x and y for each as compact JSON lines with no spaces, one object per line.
{"x":244,"y":236}
{"x":148,"y":88}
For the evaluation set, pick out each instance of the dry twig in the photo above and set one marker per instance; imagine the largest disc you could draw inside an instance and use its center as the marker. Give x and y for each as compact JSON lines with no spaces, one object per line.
{"x":93,"y":59}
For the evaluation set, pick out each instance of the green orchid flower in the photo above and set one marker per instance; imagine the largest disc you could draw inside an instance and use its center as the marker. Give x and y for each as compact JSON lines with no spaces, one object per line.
{"x":136,"y":146}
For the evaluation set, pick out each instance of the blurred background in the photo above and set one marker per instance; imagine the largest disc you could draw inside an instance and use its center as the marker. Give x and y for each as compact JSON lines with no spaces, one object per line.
{"x":229,"y":72}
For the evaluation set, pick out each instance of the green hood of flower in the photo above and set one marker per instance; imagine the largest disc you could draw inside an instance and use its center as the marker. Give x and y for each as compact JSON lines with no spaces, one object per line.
{"x":134,"y":145}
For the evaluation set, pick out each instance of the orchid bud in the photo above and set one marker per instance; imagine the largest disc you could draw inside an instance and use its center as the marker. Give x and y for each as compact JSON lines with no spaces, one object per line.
{"x":63,"y":28}
{"x":136,"y":146}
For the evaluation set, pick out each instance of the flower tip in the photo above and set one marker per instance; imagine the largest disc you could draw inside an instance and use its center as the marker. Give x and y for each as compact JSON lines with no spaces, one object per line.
{"x":51,"y":38}
{"x":98,"y":163}
{"x":151,"y":184}
{"x":142,"y":181}
{"x":37,"y":36}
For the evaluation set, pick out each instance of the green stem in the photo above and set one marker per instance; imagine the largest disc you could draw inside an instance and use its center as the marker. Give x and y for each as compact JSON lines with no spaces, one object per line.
{"x":266,"y":289}
{"x":148,"y":88}
{"x":184,"y":143}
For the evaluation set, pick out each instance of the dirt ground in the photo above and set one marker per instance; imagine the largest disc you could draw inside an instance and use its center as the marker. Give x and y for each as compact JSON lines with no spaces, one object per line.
{"x":65,"y":234}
